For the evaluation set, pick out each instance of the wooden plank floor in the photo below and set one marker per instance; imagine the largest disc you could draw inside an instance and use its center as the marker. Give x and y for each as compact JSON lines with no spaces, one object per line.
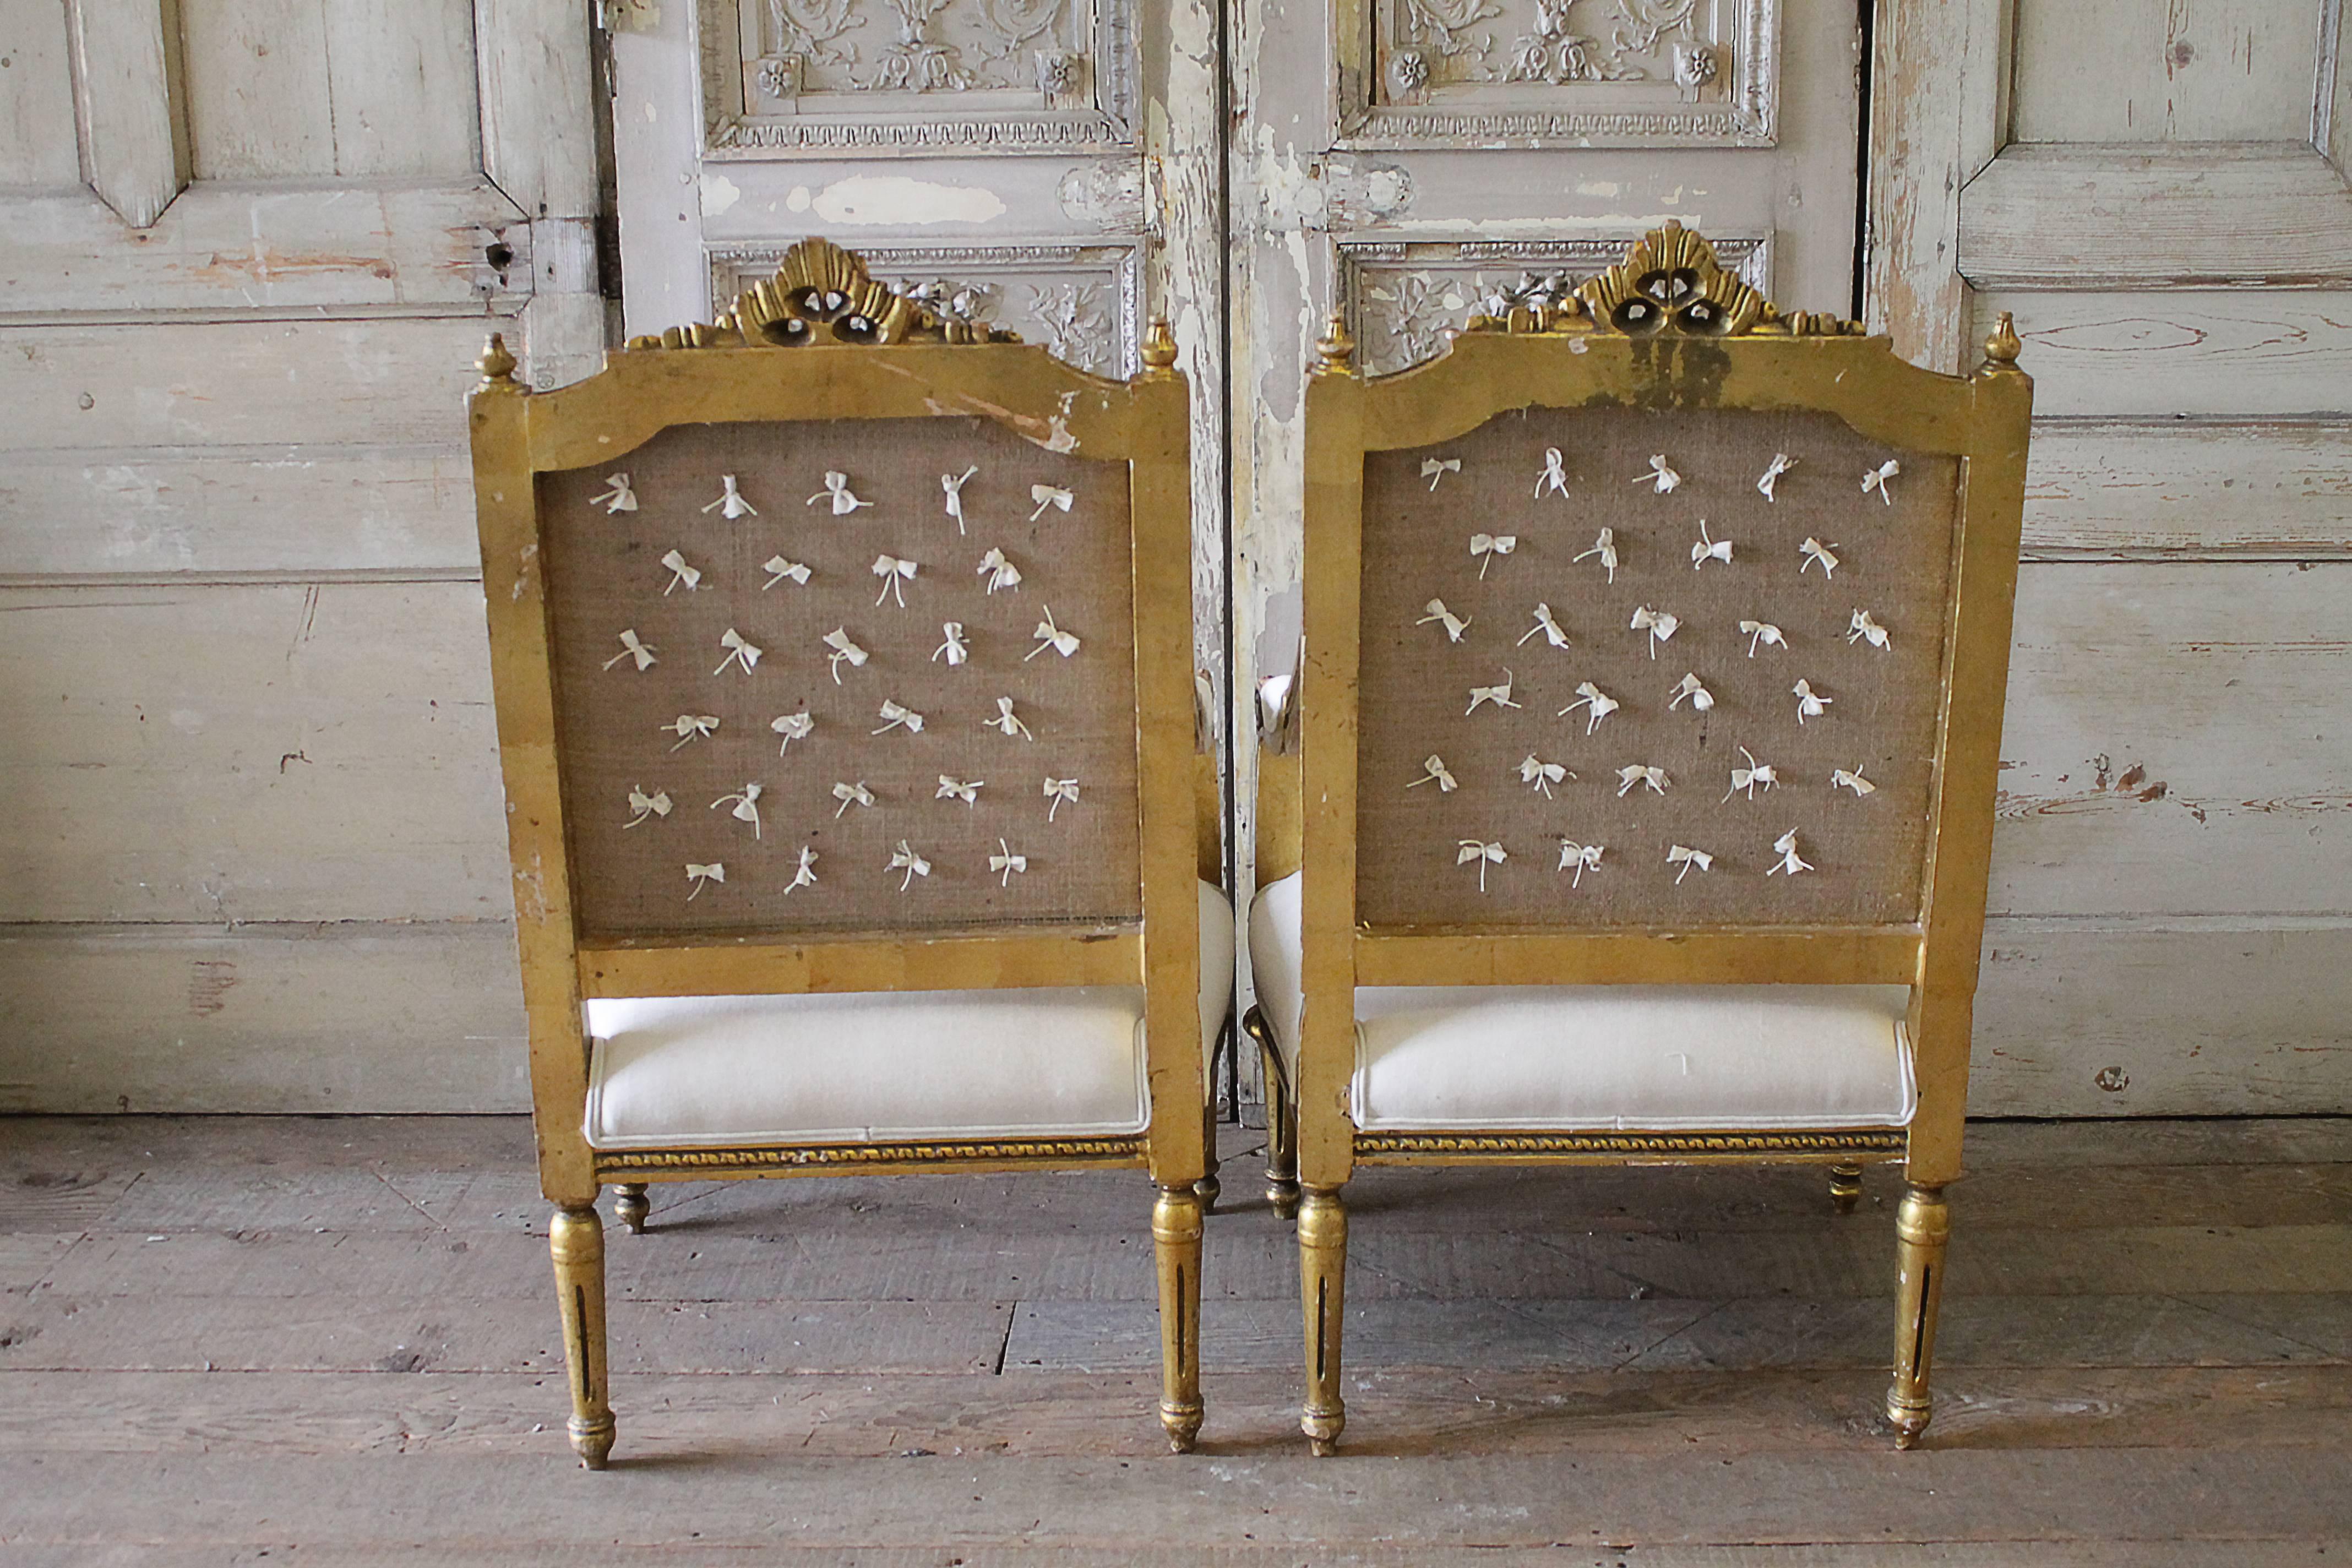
{"x":333,"y":1341}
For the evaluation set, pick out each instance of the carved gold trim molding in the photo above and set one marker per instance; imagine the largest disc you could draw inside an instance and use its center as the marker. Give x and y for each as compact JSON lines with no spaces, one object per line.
{"x":823,"y":295}
{"x":1836,"y":1145}
{"x":1670,"y":284}
{"x":795,"y":1159}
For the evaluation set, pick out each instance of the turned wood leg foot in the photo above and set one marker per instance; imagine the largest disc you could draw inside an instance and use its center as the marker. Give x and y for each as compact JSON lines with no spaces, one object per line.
{"x":575,"y":1238}
{"x":1176,"y":1249}
{"x":631,"y":1208}
{"x":1845,"y":1187}
{"x":1922,"y":1228}
{"x":1323,"y":1276}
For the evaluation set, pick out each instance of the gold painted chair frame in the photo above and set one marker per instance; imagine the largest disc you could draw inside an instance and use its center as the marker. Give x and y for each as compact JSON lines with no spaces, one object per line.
{"x":1669,"y":330}
{"x":825,"y":343}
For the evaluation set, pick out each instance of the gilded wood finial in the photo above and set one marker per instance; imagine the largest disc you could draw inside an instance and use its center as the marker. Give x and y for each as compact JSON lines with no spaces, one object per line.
{"x":1159,"y":348}
{"x":2001,"y":347}
{"x":497,"y":365}
{"x":1336,"y":348}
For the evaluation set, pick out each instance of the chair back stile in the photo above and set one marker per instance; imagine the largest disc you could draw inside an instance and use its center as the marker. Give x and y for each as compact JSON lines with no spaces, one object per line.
{"x":1653,"y":638}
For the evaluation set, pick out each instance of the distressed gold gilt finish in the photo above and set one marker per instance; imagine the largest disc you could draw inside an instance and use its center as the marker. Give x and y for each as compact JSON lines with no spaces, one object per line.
{"x":917,"y":367}
{"x":823,"y":295}
{"x":1668,"y":331}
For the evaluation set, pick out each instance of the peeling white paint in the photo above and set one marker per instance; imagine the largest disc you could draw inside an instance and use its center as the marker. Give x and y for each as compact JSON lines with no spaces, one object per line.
{"x":718,"y":194}
{"x":901,"y":199}
{"x":1600,"y":187}
{"x":797,"y":199}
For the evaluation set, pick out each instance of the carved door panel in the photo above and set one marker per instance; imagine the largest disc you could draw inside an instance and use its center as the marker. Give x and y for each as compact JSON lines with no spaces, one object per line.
{"x":1402,"y":161}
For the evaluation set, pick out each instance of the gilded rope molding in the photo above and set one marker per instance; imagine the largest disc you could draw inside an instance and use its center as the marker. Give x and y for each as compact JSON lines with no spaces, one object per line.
{"x":1860,"y":1143}
{"x":635,"y":1164}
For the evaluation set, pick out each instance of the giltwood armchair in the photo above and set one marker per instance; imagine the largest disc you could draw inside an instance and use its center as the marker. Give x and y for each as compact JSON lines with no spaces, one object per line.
{"x":1645,"y":745}
{"x":841,"y":655}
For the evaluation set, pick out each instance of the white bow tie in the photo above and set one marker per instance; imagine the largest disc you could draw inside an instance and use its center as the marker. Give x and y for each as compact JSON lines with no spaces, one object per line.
{"x":999,"y":572}
{"x":1862,"y":628}
{"x":803,"y":875}
{"x":1597,"y":703}
{"x":1500,"y":695}
{"x":1810,"y":703}
{"x":1553,"y":633}
{"x":1049,"y":496}
{"x":645,"y":805}
{"x":1605,"y":547}
{"x":1658,"y":475}
{"x":1555,"y":474}
{"x":1541,"y":775}
{"x":730,"y":503}
{"x":1708,"y":549}
{"x":851,"y":794}
{"x":1683,"y":856}
{"x":1432,"y":768}
{"x":1701,"y":699}
{"x":692,"y":727}
{"x":895,"y":715}
{"x":738,"y":652}
{"x":893,"y":572}
{"x":905,"y":859}
{"x":1484,"y":547}
{"x":1813,"y":550}
{"x":1048,"y":634}
{"x":783,"y":569}
{"x":842,"y":648}
{"x":1435,"y":469}
{"x":1659,"y":623}
{"x":1580,"y":858}
{"x":845,"y":501}
{"x":1842,"y":779}
{"x":1781,"y":463}
{"x":1639,"y":773}
{"x":1790,"y":861}
{"x":1755,"y":775}
{"x":680,"y":571}
{"x":967,"y":793}
{"x":952,"y":485}
{"x":1470,"y":849}
{"x":1006,"y":721}
{"x":703,"y":875}
{"x":1762,"y":632}
{"x":746,"y":801}
{"x":620,"y":497}
{"x":792,"y":727}
{"x":1007,"y":862}
{"x":953,"y":650}
{"x":1454,"y":624}
{"x":1060,"y":791}
{"x":632,"y":649}
{"x":1876,"y":481}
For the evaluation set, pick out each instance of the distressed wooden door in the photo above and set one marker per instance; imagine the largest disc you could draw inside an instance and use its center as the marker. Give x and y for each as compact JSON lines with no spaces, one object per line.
{"x":250,"y":249}
{"x":2158,"y":193}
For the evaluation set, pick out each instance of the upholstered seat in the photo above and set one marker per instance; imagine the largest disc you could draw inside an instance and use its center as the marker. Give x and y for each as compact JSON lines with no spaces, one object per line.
{"x":1581,"y":1057}
{"x":714,"y":1072}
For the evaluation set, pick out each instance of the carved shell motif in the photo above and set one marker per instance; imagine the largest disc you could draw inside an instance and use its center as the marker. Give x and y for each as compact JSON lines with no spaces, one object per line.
{"x":1670,"y":284}
{"x":822,"y":294}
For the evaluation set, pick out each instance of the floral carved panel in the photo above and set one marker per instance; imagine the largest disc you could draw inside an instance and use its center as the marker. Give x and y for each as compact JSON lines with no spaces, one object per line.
{"x":917,"y":76}
{"x":1587,"y":73}
{"x":1405,"y":298}
{"x":1082,"y":301}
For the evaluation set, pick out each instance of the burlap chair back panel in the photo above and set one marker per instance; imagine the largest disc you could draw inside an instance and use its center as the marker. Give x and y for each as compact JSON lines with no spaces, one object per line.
{"x":1892,"y":561}
{"x":616,"y":721}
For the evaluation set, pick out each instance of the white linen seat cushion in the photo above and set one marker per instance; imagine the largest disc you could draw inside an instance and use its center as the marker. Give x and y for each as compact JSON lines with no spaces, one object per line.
{"x":873,"y":1067}
{"x":1601,"y":1058}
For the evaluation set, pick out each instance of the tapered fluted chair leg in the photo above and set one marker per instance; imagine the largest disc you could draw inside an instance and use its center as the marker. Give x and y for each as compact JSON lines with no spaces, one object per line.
{"x":1323,"y":1278}
{"x":1845,"y":1187}
{"x":1176,"y":1246}
{"x":1281,"y":1123}
{"x":575,"y":1236}
{"x":631,"y":1208}
{"x":1922,"y":1228}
